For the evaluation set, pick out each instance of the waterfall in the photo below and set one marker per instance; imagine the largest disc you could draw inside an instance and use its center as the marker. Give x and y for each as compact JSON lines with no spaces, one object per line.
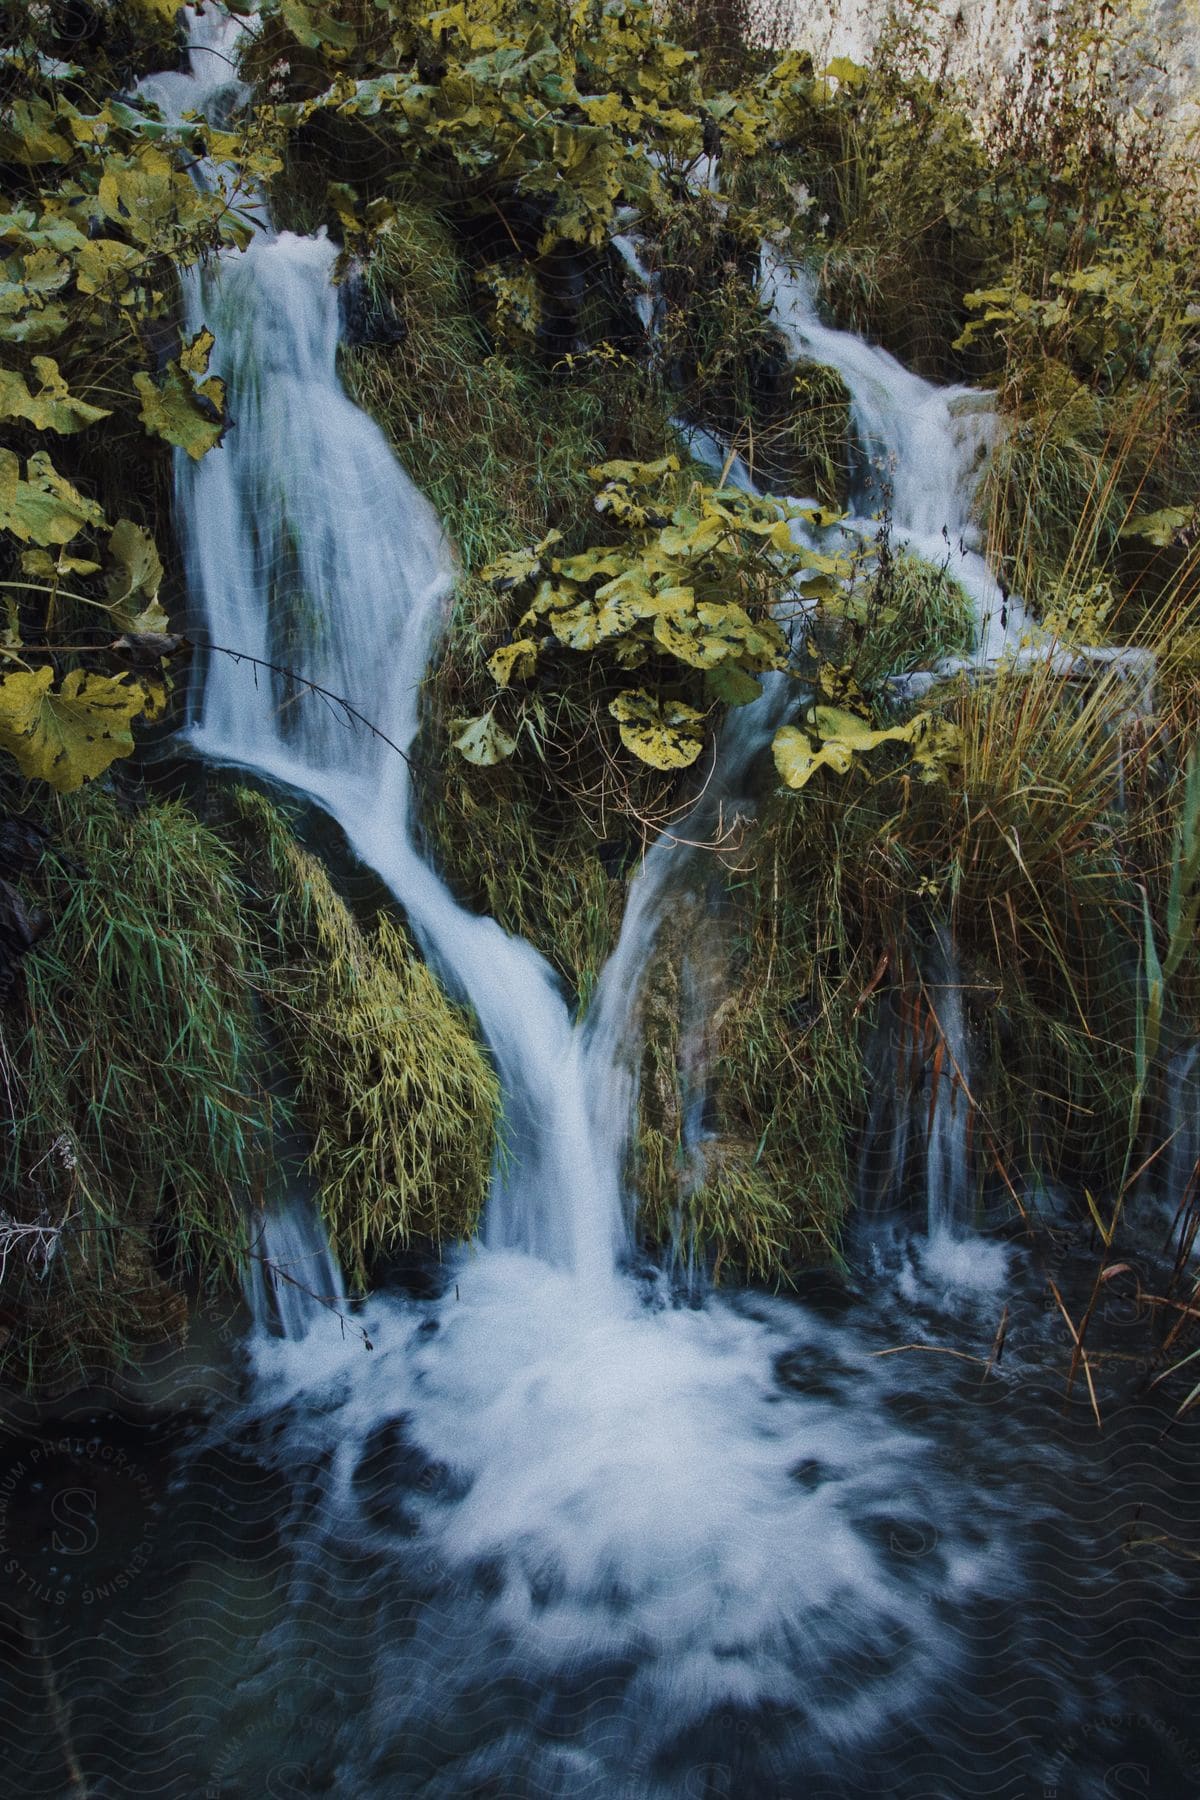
{"x":917,"y":1140}
{"x":920,"y":450}
{"x":723,"y":1499}
{"x":308,"y":547}
{"x":292,"y":1278}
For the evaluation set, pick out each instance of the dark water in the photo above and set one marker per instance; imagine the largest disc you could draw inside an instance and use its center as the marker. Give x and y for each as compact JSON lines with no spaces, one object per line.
{"x":343,"y":1580}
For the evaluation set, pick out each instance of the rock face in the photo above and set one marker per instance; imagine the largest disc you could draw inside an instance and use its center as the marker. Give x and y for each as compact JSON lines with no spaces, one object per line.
{"x":986,"y":38}
{"x":367,"y":318}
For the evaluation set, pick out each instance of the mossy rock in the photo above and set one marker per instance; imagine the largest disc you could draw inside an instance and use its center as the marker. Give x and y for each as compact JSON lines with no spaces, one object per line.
{"x":818,"y":435}
{"x":203,"y":991}
{"x":392,"y":1090}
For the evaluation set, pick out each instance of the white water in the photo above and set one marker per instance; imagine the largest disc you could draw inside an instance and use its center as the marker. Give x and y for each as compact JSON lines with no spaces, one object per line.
{"x":292,"y":1280}
{"x":920,"y":450}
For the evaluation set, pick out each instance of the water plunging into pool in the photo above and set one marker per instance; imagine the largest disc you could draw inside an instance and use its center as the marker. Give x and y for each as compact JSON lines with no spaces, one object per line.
{"x":557,"y":1534}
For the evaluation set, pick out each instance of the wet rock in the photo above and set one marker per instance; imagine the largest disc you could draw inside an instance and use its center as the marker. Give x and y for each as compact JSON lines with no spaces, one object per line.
{"x":367,"y":319}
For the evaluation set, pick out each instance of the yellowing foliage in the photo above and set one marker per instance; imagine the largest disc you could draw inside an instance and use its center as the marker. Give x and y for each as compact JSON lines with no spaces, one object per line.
{"x":100,"y":214}
{"x":686,"y":594}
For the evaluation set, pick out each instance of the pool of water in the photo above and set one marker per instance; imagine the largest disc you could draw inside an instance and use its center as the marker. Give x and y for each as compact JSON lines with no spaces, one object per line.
{"x":522,"y":1548}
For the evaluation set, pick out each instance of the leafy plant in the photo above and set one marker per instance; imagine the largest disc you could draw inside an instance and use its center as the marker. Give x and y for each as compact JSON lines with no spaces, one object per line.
{"x":687,"y":595}
{"x":100,"y":214}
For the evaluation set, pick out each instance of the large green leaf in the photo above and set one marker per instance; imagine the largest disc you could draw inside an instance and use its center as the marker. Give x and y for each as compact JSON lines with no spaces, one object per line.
{"x":1161,"y":527}
{"x":44,"y":508}
{"x":106,"y":266}
{"x":145,"y":194}
{"x":29,"y":134}
{"x":315,"y":26}
{"x":731,"y":685}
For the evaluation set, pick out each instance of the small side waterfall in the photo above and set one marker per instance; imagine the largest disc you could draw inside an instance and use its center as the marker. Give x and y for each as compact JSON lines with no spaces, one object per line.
{"x":1180,"y":1175}
{"x":948,"y":1135}
{"x":920,"y":452}
{"x":292,"y":1280}
{"x":917,"y":1147}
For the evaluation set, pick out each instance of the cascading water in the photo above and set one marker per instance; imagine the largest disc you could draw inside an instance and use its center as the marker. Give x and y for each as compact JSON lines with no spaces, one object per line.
{"x":308,"y":547}
{"x":292,"y":1277}
{"x":919,"y":449}
{"x":920,"y":452}
{"x":555,"y":1536}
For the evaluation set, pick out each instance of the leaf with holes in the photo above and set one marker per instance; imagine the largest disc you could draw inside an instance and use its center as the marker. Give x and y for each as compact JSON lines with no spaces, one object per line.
{"x":53,"y":407}
{"x":67,"y":735}
{"x":185,"y":409}
{"x":667,"y":734}
{"x":483,"y":742}
{"x":513,"y":662}
{"x":134,"y":580}
{"x":44,"y":508}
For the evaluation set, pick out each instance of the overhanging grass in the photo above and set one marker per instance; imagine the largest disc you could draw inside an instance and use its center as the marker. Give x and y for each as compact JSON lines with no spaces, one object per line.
{"x":392,"y":1089}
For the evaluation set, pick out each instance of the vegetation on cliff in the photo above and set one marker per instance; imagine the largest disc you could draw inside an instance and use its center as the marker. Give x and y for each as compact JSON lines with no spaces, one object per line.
{"x":494,"y":173}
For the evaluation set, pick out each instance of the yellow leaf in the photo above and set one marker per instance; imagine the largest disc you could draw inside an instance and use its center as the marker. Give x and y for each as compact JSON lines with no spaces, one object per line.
{"x":52,"y":568}
{"x":104,"y":265}
{"x":134,"y":582}
{"x":139,"y":192}
{"x":516,"y":566}
{"x":186,"y":411}
{"x":667,"y":734}
{"x":195,"y":353}
{"x":579,"y":627}
{"x":483,"y":742}
{"x":513,"y":662}
{"x":45,"y":508}
{"x":52,"y":408}
{"x":682,"y":639}
{"x":67,"y":735}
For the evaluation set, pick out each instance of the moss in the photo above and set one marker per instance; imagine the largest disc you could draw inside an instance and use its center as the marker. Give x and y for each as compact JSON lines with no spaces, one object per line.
{"x":903,"y":614}
{"x":768,"y":1032}
{"x":818,"y":434}
{"x":392,"y":1090}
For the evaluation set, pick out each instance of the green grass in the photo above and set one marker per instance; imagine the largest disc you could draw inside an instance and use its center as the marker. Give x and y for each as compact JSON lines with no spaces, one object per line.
{"x":396,"y":1098}
{"x":202,"y":999}
{"x":136,"y":1057}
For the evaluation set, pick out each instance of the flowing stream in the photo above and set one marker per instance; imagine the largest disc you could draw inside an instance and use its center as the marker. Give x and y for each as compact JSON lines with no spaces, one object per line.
{"x":556,"y":1533}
